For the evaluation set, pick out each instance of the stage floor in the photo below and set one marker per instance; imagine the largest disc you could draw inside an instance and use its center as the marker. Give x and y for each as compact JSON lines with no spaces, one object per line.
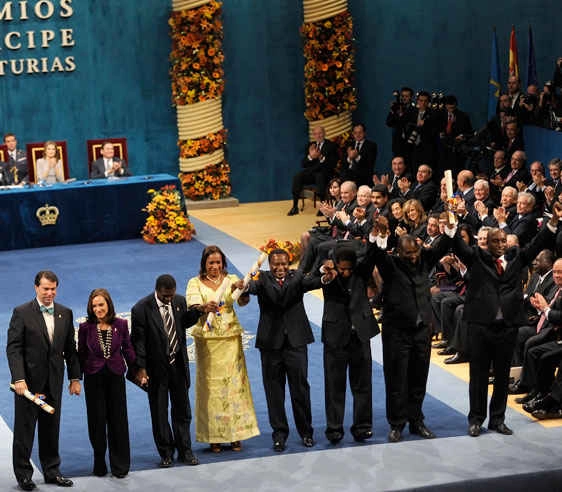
{"x":453,"y":461}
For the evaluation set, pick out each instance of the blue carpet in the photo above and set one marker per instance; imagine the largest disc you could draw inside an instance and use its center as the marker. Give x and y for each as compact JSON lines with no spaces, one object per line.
{"x":128,"y":269}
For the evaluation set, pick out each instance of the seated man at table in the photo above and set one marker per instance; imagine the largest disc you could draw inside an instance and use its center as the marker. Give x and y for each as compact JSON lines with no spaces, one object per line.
{"x":14,"y":170}
{"x":108,"y":166}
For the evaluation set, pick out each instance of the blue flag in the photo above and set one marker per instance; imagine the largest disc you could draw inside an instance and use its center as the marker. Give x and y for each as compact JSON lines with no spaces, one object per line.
{"x":532,"y":69}
{"x":494,"y":87}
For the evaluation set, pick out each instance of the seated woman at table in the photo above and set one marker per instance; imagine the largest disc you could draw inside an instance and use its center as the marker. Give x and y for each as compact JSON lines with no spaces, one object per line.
{"x":103,"y":347}
{"x":224,"y":409}
{"x":49,"y":168}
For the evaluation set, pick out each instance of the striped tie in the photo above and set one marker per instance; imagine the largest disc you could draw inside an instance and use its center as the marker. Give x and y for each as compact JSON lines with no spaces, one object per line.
{"x":172,"y":337}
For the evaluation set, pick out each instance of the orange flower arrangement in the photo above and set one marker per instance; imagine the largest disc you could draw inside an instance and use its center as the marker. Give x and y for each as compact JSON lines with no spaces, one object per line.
{"x":213,"y":182}
{"x":293,"y":249}
{"x":329,"y":67}
{"x":196,"y":57}
{"x":194,"y":147}
{"x":167,"y":221}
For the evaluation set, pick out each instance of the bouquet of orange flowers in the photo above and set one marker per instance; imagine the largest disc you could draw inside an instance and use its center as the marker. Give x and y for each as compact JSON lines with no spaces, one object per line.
{"x":213,"y":182}
{"x":292,"y":248}
{"x":194,"y":147}
{"x":197,"y":73}
{"x":166,"y":222}
{"x":329,"y":67}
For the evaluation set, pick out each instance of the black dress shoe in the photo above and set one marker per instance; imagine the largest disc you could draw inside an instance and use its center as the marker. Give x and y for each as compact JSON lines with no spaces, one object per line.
{"x":394,"y":435}
{"x":165,"y":462}
{"x":26,"y":484}
{"x":279,"y":446}
{"x":60,"y":481}
{"x":501,"y":428}
{"x":531,"y":405}
{"x":527,"y":398}
{"x":293,"y":211}
{"x":547,"y":414}
{"x":362,"y":436}
{"x":421,"y":430}
{"x":119,"y":475}
{"x":188,"y":458}
{"x":455,"y":359}
{"x":441,"y":345}
{"x":516,"y":389}
{"x":334,"y":437}
{"x":447,"y":351}
{"x":308,"y":441}
{"x":474,"y":430}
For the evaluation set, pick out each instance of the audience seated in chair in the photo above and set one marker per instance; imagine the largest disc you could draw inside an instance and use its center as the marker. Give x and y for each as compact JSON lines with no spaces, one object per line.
{"x":108,"y":165}
{"x":47,"y":162}
{"x":13,"y":169}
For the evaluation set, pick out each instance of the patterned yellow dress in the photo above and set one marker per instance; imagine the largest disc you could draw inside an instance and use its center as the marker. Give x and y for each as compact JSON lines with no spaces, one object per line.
{"x":224,"y":409}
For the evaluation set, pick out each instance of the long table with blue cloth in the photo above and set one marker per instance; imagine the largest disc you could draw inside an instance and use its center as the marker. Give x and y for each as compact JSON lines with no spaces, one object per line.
{"x":88,"y":211}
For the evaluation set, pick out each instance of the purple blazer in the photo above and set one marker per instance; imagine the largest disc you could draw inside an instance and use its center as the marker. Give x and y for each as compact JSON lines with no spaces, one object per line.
{"x":91,"y":353}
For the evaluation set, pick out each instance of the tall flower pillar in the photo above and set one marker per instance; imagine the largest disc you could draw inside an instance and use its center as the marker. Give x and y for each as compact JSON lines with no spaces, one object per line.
{"x":330,"y":96}
{"x":197,"y":78}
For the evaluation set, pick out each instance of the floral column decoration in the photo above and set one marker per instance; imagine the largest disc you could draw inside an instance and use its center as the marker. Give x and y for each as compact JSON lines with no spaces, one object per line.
{"x":197,"y":77}
{"x":329,"y":68}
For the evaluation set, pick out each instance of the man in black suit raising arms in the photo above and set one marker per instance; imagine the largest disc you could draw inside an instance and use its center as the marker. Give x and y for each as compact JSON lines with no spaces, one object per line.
{"x":40,"y":340}
{"x":494,"y":311}
{"x":348,"y":325}
{"x":407,"y":326}
{"x":282,"y":338}
{"x":318,"y":165}
{"x":359,"y":165}
{"x":158,"y":324}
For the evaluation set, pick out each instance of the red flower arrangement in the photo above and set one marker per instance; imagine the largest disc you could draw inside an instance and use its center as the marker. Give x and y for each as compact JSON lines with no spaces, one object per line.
{"x":196,"y":57}
{"x":167,"y":221}
{"x":329,"y":67}
{"x":195,"y":147}
{"x":213,"y":182}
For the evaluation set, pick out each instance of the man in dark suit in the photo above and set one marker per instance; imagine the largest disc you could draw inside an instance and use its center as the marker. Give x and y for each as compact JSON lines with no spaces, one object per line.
{"x":407,"y":327}
{"x":318,"y":165}
{"x":14,"y":170}
{"x":523,"y":223}
{"x":423,"y":133}
{"x":391,"y":180}
{"x":424,"y":189}
{"x":518,"y":171}
{"x":359,"y":165}
{"x":494,"y":310}
{"x":40,"y":340}
{"x":348,"y":324}
{"x":108,"y":166}
{"x":282,"y":338}
{"x":159,"y":341}
{"x":401,"y":112}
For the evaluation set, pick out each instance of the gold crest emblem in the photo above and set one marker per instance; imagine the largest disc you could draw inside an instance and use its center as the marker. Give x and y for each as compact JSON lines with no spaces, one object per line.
{"x":47,"y":215}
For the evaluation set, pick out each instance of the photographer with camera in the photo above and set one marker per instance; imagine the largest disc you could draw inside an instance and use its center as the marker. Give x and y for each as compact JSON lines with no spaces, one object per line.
{"x":454,"y":128}
{"x":422,"y":131}
{"x":401,"y":112}
{"x":529,"y":106}
{"x":550,"y":108}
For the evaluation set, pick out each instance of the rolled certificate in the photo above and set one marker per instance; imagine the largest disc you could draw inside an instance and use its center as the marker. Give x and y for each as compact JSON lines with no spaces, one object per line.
{"x":35,"y":398}
{"x":255,"y":267}
{"x":449,"y":186}
{"x":220,"y":293}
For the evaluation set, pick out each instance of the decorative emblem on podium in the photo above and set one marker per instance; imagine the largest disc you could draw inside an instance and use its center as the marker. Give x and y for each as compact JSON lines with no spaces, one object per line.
{"x":47,"y":215}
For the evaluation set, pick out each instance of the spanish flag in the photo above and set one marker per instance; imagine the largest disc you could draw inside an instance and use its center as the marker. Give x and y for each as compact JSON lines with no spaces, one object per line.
{"x":513,"y":56}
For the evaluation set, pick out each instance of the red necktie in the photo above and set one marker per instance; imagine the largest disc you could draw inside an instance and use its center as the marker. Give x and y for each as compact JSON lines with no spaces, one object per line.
{"x":449,"y":128}
{"x":542,"y":319}
{"x":280,"y":281}
{"x":499,"y":267}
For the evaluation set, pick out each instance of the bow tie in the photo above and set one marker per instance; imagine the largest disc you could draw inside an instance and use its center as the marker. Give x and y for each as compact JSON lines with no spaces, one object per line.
{"x":50,"y":310}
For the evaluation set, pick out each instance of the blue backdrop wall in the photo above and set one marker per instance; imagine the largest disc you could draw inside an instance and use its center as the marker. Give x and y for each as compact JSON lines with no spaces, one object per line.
{"x":121,"y":87}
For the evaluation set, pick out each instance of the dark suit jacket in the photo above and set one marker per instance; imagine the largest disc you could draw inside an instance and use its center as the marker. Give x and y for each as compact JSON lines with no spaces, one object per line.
{"x":520,"y":175}
{"x":330,"y":152}
{"x":346,"y":305}
{"x":425,"y":193}
{"x":98,"y":169}
{"x":547,"y":288}
{"x":406,"y":295}
{"x":18,"y":164}
{"x":460,"y":126}
{"x":91,"y":353}
{"x":348,"y":208}
{"x":33,"y":358}
{"x":361,"y":170}
{"x":525,"y":228}
{"x":487,"y":290}
{"x":149,"y":337}
{"x":282,"y":310}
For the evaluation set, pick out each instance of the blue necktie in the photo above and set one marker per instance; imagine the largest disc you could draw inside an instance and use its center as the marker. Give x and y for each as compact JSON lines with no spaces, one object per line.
{"x":50,"y":310}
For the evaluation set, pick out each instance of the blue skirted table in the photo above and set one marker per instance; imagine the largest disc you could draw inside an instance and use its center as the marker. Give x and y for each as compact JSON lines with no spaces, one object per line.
{"x":88,"y":211}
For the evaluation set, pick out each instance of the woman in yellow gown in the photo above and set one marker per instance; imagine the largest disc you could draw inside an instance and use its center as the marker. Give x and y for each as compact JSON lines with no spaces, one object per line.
{"x":224,"y":409}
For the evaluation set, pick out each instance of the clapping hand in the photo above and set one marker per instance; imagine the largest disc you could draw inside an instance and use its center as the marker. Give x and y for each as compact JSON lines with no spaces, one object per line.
{"x":538,"y":301}
{"x":521,"y":186}
{"x":329,"y":271}
{"x":340,"y":214}
{"x":380,"y":226}
{"x":480,"y":208}
{"x":359,"y":213}
{"x":460,"y":207}
{"x":313,"y":151}
{"x":352,"y":153}
{"x":404,"y":184}
{"x":500,"y":215}
{"x":556,"y":214}
{"x":549,"y":193}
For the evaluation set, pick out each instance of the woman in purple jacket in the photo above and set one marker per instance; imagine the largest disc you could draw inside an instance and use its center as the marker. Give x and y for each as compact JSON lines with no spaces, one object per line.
{"x":103,"y":347}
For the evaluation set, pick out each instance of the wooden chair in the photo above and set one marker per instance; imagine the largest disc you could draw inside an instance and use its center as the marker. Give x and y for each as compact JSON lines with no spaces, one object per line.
{"x":3,"y":153}
{"x":35,"y":152}
{"x":307,"y":191}
{"x":93,"y":148}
